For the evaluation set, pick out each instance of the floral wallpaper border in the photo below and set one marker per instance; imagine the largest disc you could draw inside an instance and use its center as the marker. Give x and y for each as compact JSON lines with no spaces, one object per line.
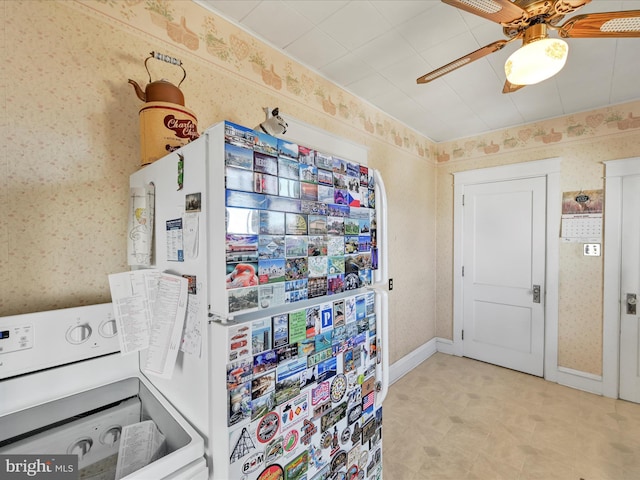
{"x":595,"y":123}
{"x":193,"y":28}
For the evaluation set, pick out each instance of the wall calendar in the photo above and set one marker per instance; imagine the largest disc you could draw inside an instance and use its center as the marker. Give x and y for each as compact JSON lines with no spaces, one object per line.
{"x":582,"y":216}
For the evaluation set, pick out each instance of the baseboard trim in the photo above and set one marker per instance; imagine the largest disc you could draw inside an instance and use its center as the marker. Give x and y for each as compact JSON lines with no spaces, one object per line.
{"x":568,"y":377}
{"x":400,"y":368}
{"x":444,"y":345}
{"x":585,"y":381}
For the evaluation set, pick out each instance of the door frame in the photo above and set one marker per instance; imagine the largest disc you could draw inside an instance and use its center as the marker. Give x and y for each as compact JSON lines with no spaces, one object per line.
{"x":615,"y":170}
{"x":549,"y":168}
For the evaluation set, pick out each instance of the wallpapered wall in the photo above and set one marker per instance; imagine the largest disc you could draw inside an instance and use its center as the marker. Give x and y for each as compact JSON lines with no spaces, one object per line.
{"x":71,"y":140}
{"x":580,"y":295}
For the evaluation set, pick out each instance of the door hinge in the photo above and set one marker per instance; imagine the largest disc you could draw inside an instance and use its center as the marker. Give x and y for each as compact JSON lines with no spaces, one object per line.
{"x":463,"y":200}
{"x":463,"y":271}
{"x":462,"y":334}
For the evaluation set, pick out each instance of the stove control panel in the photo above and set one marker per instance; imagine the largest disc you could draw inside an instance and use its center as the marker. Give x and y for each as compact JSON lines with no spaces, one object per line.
{"x":16,"y":337}
{"x":40,"y":340}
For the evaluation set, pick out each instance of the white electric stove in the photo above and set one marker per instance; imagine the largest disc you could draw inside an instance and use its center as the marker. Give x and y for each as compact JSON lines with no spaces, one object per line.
{"x":66,"y":389}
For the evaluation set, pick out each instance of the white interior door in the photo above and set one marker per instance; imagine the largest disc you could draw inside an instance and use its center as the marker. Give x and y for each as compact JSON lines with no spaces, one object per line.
{"x":630,"y":290}
{"x":503,"y":251}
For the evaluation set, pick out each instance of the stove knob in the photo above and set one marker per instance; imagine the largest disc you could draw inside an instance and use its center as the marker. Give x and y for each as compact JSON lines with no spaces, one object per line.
{"x":81,"y":447}
{"x":79,"y":334}
{"x":111,"y":437}
{"x":108,"y":328}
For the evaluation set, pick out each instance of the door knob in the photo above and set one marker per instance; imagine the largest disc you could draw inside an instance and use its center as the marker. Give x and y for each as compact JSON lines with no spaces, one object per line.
{"x":632,"y":300}
{"x":536,"y":294}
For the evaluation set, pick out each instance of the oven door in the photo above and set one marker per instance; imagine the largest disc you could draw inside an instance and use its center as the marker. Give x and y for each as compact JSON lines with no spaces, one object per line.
{"x":127,"y":420}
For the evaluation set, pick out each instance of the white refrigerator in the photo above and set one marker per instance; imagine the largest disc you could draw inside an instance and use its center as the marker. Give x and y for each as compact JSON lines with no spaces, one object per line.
{"x":284,"y":248}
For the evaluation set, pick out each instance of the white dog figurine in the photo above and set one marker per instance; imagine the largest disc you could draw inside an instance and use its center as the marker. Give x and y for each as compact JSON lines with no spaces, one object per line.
{"x":274,"y":124}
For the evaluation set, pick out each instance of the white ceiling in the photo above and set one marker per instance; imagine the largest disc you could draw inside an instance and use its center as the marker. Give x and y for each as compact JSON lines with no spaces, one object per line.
{"x":377,"y":49}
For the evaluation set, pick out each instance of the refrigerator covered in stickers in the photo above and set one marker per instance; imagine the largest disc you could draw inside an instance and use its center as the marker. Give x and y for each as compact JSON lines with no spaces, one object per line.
{"x":284,"y":249}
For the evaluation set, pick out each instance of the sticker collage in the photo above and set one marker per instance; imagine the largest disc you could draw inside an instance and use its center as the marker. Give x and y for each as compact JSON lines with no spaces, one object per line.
{"x":301,"y":388}
{"x":300,"y":224}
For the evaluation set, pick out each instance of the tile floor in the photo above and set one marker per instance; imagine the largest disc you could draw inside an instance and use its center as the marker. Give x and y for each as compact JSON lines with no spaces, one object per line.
{"x":456,"y":418}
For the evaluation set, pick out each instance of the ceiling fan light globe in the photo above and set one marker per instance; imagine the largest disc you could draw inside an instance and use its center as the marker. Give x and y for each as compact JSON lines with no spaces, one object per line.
{"x":536,"y":61}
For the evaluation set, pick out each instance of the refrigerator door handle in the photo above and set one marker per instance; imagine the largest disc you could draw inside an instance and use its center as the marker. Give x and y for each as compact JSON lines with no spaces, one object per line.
{"x":382,"y":327}
{"x":381,"y":275}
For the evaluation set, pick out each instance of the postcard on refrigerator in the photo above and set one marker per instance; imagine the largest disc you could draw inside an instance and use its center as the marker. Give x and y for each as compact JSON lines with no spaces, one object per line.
{"x":265,"y":163}
{"x":318,"y":266}
{"x":297,"y":326}
{"x":238,"y":135}
{"x":296,"y":268}
{"x":296,"y":246}
{"x":271,"y":246}
{"x":265,"y":361}
{"x":335,"y":283}
{"x":271,"y":270}
{"x":239,"y":179}
{"x":242,"y":298}
{"x":264,"y":143}
{"x":271,"y":222}
{"x":340,"y":181}
{"x":335,"y":228}
{"x":317,"y":245}
{"x":308,"y":173}
{"x":282,"y":204}
{"x":260,"y":336}
{"x":324,"y":161}
{"x":296,"y":224}
{"x":364,"y":176}
{"x":287,"y":149}
{"x":339,"y":166}
{"x":260,"y":406}
{"x":280,"y":328}
{"x":244,"y":199}
{"x":317,"y":287}
{"x":306,"y":155}
{"x":236,"y":156}
{"x":239,"y":372}
{"x":317,"y":224}
{"x":288,"y":188}
{"x":271,"y":295}
{"x":312,"y":207}
{"x":288,"y":168}
{"x":238,"y":343}
{"x":263,"y":183}
{"x":351,"y":226}
{"x":263,"y":384}
{"x":335,"y":264}
{"x":308,"y":191}
{"x":340,"y":196}
{"x":325,"y":178}
{"x":336,"y":210}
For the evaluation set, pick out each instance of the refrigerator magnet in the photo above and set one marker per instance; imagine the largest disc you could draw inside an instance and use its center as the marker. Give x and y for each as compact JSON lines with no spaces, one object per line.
{"x":272,"y":472}
{"x":175,"y":248}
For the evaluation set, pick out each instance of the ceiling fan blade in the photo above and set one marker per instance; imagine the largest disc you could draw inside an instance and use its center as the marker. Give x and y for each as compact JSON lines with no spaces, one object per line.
{"x":462,"y":61}
{"x":499,"y":11}
{"x":511,"y":87}
{"x":606,"y":24}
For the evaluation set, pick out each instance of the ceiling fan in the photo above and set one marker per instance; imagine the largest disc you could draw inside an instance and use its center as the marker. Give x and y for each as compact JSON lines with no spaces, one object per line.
{"x":540,"y":56}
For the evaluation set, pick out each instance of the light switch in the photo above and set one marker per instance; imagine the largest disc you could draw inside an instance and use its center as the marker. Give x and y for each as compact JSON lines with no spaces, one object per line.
{"x":592,"y":249}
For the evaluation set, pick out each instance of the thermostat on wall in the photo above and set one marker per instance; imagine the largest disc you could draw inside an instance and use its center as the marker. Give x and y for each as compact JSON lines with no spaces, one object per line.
{"x":592,"y":249}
